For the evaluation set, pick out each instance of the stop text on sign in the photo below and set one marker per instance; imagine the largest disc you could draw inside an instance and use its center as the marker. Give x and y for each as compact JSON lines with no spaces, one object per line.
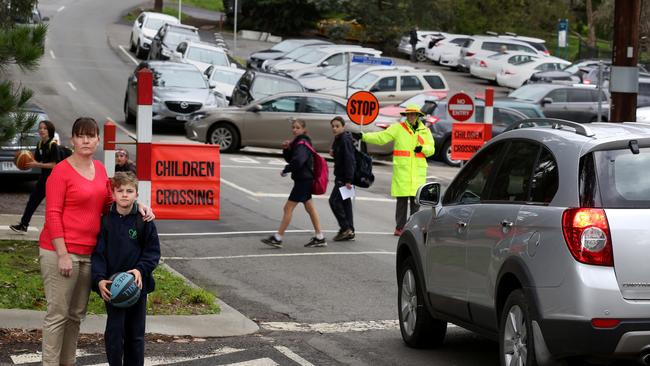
{"x":362,"y":108}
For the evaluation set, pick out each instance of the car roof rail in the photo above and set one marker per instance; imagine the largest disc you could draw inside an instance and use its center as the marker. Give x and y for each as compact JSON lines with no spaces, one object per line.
{"x":511,"y":34}
{"x":555,"y":123}
{"x":491,"y":33}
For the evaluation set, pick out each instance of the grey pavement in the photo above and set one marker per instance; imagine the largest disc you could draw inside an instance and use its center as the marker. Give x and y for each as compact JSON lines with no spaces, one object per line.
{"x":229,"y":322}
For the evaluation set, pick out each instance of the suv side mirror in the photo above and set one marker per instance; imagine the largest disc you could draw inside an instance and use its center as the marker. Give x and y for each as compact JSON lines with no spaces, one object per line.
{"x":428,"y":194}
{"x":256,"y":108}
{"x":182,"y":47}
{"x":212,"y":84}
{"x":546,"y":101}
{"x":243,"y":87}
{"x":324,"y":64}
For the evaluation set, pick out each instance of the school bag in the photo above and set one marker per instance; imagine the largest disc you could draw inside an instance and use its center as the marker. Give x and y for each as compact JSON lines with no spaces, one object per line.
{"x":60,"y":152}
{"x":321,"y":173}
{"x":363,"y":176}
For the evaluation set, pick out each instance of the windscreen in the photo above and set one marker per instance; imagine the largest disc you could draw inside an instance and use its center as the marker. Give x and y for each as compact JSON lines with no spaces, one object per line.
{"x":286,"y":46}
{"x":529,"y":92}
{"x":208,"y":56}
{"x":226,"y":76}
{"x":174,"y":78}
{"x":311,"y":57}
{"x":364,"y":82}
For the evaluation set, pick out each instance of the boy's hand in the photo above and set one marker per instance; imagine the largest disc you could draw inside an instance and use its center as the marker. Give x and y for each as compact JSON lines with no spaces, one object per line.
{"x":138,"y":277}
{"x":104,"y":291}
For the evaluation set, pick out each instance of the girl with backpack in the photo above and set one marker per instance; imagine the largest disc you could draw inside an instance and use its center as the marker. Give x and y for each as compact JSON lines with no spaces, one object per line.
{"x":300,"y":158}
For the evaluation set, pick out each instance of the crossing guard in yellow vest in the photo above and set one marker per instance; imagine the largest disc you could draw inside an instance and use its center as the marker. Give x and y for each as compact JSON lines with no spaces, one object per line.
{"x":412,"y":144}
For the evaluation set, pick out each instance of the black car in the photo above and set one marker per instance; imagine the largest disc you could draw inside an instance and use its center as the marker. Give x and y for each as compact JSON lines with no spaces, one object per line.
{"x":256,"y":59}
{"x":254,"y":85}
{"x":164,"y":43}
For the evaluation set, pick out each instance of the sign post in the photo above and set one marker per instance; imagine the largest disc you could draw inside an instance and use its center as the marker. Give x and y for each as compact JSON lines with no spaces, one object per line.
{"x":466,"y":137}
{"x":562,"y":30}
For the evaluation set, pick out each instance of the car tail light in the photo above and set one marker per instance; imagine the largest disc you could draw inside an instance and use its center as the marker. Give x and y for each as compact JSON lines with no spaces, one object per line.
{"x":586,"y":81}
{"x":606,"y":323}
{"x":431,"y":120}
{"x":547,"y":52}
{"x":482,"y":64}
{"x":586,"y":232}
{"x":508,"y":72}
{"x":382,"y":125}
{"x":469,"y":54}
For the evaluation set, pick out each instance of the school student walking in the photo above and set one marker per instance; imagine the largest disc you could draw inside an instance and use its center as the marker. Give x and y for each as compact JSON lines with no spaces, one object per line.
{"x":300,"y":161}
{"x":344,"y":163}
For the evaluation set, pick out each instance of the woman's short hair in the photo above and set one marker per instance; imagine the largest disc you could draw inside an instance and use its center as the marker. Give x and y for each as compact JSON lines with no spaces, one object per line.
{"x":85,"y":126}
{"x":50,"y":128}
{"x":338,"y":118}
{"x":123,"y":178}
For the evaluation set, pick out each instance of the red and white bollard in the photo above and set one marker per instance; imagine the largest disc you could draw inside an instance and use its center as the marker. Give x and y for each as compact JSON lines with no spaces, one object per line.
{"x":109,"y":147}
{"x":143,"y":130}
{"x":488,"y":113}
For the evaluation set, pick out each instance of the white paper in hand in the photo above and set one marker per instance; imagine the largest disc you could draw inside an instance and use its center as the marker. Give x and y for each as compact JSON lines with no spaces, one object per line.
{"x":346,"y":193}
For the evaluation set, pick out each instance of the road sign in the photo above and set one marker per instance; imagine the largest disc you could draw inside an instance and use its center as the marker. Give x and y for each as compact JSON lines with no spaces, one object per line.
{"x":372,"y":60}
{"x":467,"y":138}
{"x":460,"y":107}
{"x":362,"y":108}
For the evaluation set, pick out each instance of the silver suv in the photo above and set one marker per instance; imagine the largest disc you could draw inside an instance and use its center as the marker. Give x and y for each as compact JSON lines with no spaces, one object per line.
{"x":541,"y":241}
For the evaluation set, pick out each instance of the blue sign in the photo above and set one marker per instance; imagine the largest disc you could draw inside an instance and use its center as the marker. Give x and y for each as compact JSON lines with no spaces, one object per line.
{"x":372,"y":60}
{"x":563,"y":25}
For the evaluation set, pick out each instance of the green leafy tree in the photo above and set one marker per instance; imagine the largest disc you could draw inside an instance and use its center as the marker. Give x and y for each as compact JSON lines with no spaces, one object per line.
{"x":21,"y":45}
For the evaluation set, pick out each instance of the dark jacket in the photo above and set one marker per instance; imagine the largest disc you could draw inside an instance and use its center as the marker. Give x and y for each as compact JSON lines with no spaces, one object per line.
{"x":300,"y":159}
{"x":46,"y":152}
{"x":128,"y":167}
{"x":121,"y":251}
{"x":344,"y":160}
{"x":413,"y":37}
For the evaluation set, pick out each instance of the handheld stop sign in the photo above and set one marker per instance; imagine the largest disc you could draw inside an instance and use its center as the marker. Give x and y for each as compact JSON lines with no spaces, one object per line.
{"x":362,"y":108}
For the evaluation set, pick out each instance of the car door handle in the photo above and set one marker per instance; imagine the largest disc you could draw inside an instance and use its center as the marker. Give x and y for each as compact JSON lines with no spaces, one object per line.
{"x":507,"y":224}
{"x":391,"y":95}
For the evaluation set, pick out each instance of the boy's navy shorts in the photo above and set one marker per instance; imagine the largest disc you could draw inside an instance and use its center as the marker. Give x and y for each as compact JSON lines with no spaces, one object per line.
{"x":301,"y":191}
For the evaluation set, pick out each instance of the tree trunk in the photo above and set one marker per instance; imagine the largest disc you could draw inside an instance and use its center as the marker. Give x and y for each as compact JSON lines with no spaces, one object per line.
{"x":591,"y":36}
{"x":158,"y":5}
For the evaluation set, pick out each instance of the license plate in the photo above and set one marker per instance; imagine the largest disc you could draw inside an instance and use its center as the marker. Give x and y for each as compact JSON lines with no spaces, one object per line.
{"x":8,"y":166}
{"x":183,"y":118}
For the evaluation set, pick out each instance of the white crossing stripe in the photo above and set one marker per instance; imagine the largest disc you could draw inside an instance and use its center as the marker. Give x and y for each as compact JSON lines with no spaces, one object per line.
{"x":344,"y":327}
{"x":36,"y":357}
{"x":293,"y":356}
{"x":310,"y":254}
{"x":257,"y":362}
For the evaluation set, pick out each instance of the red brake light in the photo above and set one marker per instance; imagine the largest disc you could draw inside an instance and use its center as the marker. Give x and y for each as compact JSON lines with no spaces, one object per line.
{"x":431,"y":120}
{"x":547,"y":52}
{"x":382,"y":125}
{"x":586,"y":232}
{"x":482,"y":64}
{"x":469,"y":54}
{"x":605,"y":323}
{"x":586,"y":81}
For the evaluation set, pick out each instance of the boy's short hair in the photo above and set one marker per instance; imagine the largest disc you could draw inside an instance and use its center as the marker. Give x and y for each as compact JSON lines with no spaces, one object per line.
{"x":338,"y":118}
{"x":124,"y":178}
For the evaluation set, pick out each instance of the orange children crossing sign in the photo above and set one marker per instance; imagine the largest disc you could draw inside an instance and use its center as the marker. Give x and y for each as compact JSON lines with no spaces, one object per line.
{"x":362,"y":108}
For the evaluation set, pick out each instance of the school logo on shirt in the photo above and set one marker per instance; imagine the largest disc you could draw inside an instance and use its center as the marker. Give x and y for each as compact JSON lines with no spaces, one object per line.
{"x":133,"y":233}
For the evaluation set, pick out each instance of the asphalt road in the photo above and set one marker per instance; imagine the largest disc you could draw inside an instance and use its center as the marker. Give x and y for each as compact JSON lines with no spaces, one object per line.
{"x":348,"y":287}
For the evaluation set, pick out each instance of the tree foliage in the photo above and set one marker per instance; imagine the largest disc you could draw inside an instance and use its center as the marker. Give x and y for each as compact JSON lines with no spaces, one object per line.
{"x":280,"y":17}
{"x":20,"y":45}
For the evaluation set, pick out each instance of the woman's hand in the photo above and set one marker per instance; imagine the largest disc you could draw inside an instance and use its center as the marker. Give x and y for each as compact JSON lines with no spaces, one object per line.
{"x":65,"y":265}
{"x":146,"y":212}
{"x":138,"y":277}
{"x":104,"y":291}
{"x":286,"y":144}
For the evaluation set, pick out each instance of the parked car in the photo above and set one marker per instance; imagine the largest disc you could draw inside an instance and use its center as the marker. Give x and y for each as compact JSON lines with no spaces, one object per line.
{"x":536,"y":243}
{"x":477,"y":46}
{"x":505,"y":114}
{"x":255,"y":85}
{"x":164,"y":43}
{"x":289,"y":57}
{"x":446,"y":51}
{"x":573,"y":103}
{"x":515,"y":75}
{"x":28,"y":141}
{"x":424,"y":37}
{"x":267,"y":122}
{"x":393,"y":86}
{"x":420,"y":100}
{"x":145,"y":27}
{"x":323,"y":57}
{"x":487,"y":67}
{"x":180,"y":93}
{"x":336,"y":78}
{"x":571,"y":74}
{"x":224,"y":78}
{"x":201,"y":55}
{"x":33,"y":19}
{"x":255,"y":60}
{"x":643,"y":114}
{"x":538,"y":43}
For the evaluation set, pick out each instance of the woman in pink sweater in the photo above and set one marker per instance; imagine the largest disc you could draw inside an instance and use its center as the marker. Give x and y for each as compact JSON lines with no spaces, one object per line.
{"x":77,"y":193}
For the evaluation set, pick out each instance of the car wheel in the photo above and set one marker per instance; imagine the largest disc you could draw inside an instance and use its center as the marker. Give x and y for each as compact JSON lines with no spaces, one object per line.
{"x":128,"y":117}
{"x":419,"y":329}
{"x":225,"y":136}
{"x":516,"y":341}
{"x":445,"y":154}
{"x":420,"y":55}
{"x":140,"y":52}
{"x":131,"y":45}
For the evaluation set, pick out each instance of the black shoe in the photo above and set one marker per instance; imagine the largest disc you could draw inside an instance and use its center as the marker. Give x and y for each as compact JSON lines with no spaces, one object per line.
{"x":19,"y":228}
{"x":315,"y":242}
{"x":272,"y":241}
{"x":344,"y":235}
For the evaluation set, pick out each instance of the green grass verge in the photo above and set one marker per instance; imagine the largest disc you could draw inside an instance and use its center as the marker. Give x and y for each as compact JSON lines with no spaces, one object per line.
{"x":21,"y":286}
{"x":174,"y":12}
{"x":574,"y":46}
{"x":214,"y":5}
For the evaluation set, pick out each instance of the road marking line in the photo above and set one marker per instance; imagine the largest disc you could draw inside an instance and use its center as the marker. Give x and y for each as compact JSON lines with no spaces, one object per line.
{"x":128,"y":54}
{"x":258,"y":362}
{"x":276,"y":255}
{"x":60,"y":9}
{"x":36,"y":357}
{"x":284,"y":195}
{"x":344,"y":327}
{"x":293,"y":356}
{"x":72,"y":86}
{"x":157,"y":360}
{"x":267,"y":232}
{"x":127,"y":132}
{"x":52,"y":55}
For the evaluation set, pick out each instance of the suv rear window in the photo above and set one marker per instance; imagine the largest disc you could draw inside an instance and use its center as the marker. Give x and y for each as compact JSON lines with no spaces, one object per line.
{"x":621,"y":179}
{"x":434,"y":81}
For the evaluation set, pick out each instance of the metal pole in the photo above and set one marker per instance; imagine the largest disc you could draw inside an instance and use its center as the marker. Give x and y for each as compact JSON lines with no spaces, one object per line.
{"x":235,"y":34}
{"x":347,"y":77}
{"x":179,"y":11}
{"x":600,"y":91}
{"x":624,"y":76}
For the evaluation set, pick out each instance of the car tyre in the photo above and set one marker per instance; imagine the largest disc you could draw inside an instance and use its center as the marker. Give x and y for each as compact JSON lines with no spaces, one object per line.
{"x":131,"y":45}
{"x":420,"y":55}
{"x":128,"y":117}
{"x":419,"y":329}
{"x":516,"y":341}
{"x":224,"y":135}
{"x":140,"y":52}
{"x":445,"y":154}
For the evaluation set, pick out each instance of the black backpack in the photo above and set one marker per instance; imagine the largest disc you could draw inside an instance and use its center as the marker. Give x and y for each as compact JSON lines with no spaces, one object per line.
{"x":363,"y":176}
